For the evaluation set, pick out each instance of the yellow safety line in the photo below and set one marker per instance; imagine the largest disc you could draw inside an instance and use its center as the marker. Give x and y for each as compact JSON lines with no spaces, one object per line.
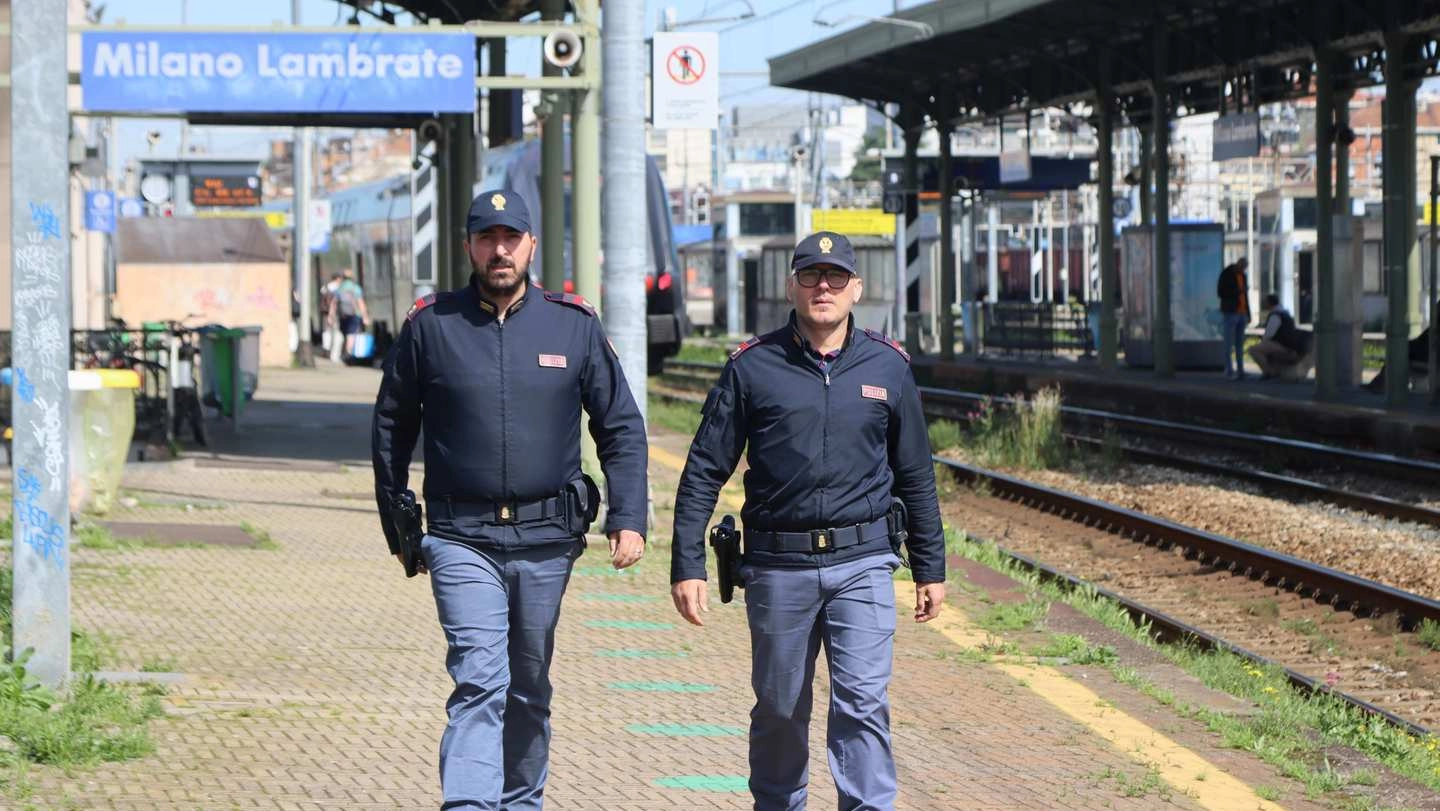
{"x":670,"y":460}
{"x":1179,"y":766}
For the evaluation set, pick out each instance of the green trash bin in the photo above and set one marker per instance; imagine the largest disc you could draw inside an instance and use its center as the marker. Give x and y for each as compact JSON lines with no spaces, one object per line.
{"x":221,"y":350}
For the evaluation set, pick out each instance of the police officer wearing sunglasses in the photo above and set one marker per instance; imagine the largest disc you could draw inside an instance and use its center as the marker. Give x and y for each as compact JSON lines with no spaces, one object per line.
{"x":839,"y":473}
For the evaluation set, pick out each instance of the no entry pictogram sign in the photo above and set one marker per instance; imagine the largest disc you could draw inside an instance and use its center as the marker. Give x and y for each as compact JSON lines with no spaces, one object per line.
{"x":685,"y":86}
{"x":686,"y":64}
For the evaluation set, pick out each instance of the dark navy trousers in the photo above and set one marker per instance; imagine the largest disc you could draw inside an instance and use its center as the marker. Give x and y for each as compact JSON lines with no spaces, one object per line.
{"x":849,"y":609}
{"x":498,"y":608}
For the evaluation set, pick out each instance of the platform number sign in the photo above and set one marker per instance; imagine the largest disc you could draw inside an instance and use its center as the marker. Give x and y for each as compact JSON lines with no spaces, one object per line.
{"x":684,"y":73}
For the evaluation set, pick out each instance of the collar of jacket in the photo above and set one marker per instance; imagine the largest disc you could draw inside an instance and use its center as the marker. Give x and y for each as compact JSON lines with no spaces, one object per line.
{"x":489,"y":307}
{"x":798,"y":338}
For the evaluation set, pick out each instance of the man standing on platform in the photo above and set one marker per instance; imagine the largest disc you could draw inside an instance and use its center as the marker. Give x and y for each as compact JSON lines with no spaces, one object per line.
{"x":497,"y":373}
{"x":840,"y":474}
{"x":1235,"y":310}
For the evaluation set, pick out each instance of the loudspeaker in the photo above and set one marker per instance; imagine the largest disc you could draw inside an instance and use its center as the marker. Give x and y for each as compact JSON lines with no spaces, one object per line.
{"x":562,"y":49}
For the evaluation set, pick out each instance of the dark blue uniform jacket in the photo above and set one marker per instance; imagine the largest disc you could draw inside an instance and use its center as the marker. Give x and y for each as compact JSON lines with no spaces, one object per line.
{"x":828,"y":446}
{"x":500,"y":404}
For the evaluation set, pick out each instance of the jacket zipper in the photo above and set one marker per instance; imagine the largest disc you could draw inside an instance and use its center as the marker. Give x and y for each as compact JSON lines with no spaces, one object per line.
{"x":504,"y":422}
{"x":825,"y":440}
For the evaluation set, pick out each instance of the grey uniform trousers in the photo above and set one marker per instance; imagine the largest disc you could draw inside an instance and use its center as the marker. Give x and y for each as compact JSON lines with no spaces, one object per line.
{"x":849,"y":608}
{"x":498,"y":609}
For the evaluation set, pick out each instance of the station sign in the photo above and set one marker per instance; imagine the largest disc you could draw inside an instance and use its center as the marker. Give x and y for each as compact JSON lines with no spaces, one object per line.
{"x":277,"y":72}
{"x":225,"y":190}
{"x":1236,"y":136}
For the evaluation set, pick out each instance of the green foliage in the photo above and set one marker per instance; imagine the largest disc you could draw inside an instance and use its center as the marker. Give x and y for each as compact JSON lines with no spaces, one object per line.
{"x":96,"y":723}
{"x":7,"y":528}
{"x":682,"y":418}
{"x":1429,"y":634}
{"x":21,"y":690}
{"x":693,"y":351}
{"x":1028,"y":437}
{"x":1076,"y":651}
{"x":1013,"y":616}
{"x":261,"y":536}
{"x":868,"y":167}
{"x":944,"y":434}
{"x":95,"y":536}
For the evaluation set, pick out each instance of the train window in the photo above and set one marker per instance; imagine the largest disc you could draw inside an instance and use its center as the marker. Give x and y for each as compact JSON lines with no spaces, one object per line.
{"x":761,"y":219}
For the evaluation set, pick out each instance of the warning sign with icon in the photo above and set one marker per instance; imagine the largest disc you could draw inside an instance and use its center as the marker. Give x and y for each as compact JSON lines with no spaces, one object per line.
{"x":685,"y":80}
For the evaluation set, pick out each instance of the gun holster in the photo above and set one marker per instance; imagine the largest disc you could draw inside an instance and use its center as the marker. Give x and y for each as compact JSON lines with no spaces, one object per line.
{"x":898,"y":521}
{"x":583,"y":497}
{"x":407,"y":519}
{"x":725,"y":539}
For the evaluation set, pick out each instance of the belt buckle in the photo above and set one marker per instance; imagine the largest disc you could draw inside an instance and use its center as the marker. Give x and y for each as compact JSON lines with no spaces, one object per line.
{"x":505,"y":513}
{"x":822,"y":540}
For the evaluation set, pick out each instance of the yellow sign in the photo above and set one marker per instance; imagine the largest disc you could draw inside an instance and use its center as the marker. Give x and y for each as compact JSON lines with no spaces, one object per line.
{"x":853,"y":221}
{"x":275,"y":220}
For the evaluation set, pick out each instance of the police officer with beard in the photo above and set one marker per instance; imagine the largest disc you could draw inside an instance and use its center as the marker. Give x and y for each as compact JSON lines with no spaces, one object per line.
{"x":840,"y":465}
{"x":497,"y":374}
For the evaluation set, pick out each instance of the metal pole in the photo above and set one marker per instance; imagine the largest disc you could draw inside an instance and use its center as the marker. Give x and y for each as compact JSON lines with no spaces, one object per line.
{"x":300,"y":244}
{"x":1164,"y":331}
{"x":624,"y":161}
{"x":910,"y":249}
{"x":992,"y":251}
{"x":1105,"y":216}
{"x":1327,"y":339}
{"x":947,"y":234}
{"x":40,"y":298}
{"x":552,"y":171}
{"x":1433,"y":358}
{"x":585,"y":168}
{"x":1399,"y":182}
{"x":1147,"y":208}
{"x":1065,"y":247}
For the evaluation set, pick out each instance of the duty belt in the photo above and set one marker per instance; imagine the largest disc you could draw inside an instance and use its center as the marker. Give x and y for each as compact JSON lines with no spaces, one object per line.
{"x":498,"y":512}
{"x":816,"y":540}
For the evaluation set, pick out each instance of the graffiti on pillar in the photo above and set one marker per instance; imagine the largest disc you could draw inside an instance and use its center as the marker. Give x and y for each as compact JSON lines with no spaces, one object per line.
{"x":34,"y":526}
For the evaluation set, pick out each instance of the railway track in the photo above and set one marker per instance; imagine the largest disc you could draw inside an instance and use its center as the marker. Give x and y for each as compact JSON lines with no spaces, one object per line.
{"x":956,"y":405}
{"x":1330,"y":631}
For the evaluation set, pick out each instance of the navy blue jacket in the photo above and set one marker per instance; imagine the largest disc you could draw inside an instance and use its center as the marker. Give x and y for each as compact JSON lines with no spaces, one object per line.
{"x":827,"y":448}
{"x":500,"y":404}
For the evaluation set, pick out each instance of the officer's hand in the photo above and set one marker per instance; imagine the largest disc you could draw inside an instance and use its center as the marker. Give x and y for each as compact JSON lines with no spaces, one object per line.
{"x":626,"y":547}
{"x":690,"y":600}
{"x":928,"y":599}
{"x":419,"y":567}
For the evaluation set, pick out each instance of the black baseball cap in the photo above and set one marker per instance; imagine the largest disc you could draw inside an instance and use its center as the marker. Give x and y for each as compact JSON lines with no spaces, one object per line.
{"x":824,"y":248}
{"x":498,"y":207}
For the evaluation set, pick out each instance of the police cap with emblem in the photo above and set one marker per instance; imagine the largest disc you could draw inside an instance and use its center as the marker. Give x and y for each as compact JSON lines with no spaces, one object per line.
{"x":498,"y":207}
{"x":824,"y":248}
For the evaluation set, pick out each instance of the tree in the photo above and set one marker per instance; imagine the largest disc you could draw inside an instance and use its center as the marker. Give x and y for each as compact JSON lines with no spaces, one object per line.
{"x":867,"y":167}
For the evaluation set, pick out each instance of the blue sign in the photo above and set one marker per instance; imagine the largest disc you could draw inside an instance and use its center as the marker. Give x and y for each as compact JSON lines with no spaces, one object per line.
{"x":279,"y":72}
{"x":131,"y":207}
{"x":100,"y":211}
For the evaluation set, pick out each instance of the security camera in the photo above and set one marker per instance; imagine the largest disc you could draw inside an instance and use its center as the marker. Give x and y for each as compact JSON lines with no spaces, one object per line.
{"x":562,"y":49}
{"x":153,"y":137}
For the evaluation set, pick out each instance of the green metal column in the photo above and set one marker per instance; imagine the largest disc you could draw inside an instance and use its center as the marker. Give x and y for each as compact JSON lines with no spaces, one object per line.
{"x":1326,"y":337}
{"x":1341,"y":104}
{"x":1147,"y":207}
{"x":552,"y":170}
{"x":1109,"y":278}
{"x":585,"y":168}
{"x":1163,"y":332}
{"x":456,"y":177}
{"x":947,"y":234}
{"x":1402,"y":256}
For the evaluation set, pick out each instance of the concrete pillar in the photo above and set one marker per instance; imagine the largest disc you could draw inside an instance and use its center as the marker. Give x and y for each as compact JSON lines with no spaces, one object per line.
{"x":1326,"y":380}
{"x":947,"y":235}
{"x":552,"y":171}
{"x":1105,"y":216}
{"x":1402,"y":257}
{"x":1164,"y":330}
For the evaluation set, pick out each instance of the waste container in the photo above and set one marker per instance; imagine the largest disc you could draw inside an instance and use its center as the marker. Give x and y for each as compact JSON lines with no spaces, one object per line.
{"x":221,"y":350}
{"x":102,"y":424}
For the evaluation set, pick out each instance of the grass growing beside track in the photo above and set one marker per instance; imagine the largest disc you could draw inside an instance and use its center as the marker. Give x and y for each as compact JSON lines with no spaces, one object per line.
{"x":1290,"y":730}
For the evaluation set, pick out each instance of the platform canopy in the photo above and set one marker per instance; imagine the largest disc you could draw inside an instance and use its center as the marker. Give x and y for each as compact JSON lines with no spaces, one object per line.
{"x":1000,"y":56}
{"x":452,"y":12}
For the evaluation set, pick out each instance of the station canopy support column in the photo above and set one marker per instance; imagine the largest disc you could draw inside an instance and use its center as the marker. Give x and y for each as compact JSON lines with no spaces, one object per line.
{"x":910,"y":250}
{"x":1402,"y":257}
{"x":1164,"y":329}
{"x":1105,"y":154}
{"x":947,"y":232}
{"x":1326,"y":336}
{"x":552,"y":170}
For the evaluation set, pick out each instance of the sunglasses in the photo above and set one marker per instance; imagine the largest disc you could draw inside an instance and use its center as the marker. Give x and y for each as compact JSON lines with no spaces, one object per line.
{"x":837,"y":279}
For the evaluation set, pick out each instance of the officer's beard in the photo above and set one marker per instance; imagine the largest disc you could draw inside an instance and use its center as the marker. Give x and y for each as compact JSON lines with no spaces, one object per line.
{"x":499,"y":284}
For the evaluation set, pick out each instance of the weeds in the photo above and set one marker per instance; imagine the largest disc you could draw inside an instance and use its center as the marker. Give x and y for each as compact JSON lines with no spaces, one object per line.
{"x":944,"y":434}
{"x":682,"y":418}
{"x":1429,"y":634}
{"x":1075,"y":650}
{"x":261,"y":536}
{"x":1013,"y":616}
{"x":1027,"y":437}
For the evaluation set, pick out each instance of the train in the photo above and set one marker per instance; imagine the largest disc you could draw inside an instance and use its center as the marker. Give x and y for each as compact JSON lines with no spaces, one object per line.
{"x":371,"y":236}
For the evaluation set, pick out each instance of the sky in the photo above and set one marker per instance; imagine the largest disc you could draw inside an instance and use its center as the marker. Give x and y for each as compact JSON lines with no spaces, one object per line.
{"x":778,"y":26}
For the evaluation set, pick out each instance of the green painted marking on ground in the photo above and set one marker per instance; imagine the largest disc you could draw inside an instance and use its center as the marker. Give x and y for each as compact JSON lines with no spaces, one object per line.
{"x":637,"y":653}
{"x":628,"y":625}
{"x":662,"y":686}
{"x":600,"y":571}
{"x":619,"y":598}
{"x":686,"y":730}
{"x":730,"y":783}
